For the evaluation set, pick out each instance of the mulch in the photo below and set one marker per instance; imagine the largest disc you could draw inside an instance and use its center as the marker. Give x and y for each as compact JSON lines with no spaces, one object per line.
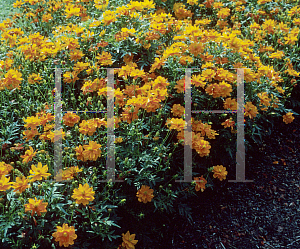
{"x":261,"y":214}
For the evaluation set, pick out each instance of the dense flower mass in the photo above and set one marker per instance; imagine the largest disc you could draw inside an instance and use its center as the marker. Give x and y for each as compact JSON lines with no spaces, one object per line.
{"x":121,"y":70}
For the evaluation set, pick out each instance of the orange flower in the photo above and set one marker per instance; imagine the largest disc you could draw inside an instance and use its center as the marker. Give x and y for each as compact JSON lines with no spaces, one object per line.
{"x":92,"y":151}
{"x":21,"y":184}
{"x":178,"y":110}
{"x":29,"y":154}
{"x":37,"y":173}
{"x":230,"y":104}
{"x":200,"y":183}
{"x":180,"y":85}
{"x":128,"y":240}
{"x":145,"y":194}
{"x":201,"y":146}
{"x":34,"y":78}
{"x":36,"y":206}
{"x":104,"y":59}
{"x":4,"y":183}
{"x":30,"y":134}
{"x":12,"y":79}
{"x":220,"y":172}
{"x":84,"y":194}
{"x":70,"y":119}
{"x":228,"y":123}
{"x":65,"y":235}
{"x":5,"y":168}
{"x":79,"y":153}
{"x":250,"y":110}
{"x":288,"y":118}
{"x":32,"y":122}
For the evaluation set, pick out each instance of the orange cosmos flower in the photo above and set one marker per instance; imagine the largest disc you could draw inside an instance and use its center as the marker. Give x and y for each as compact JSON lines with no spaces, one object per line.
{"x":200,"y":183}
{"x":70,"y":119}
{"x":178,"y":110}
{"x":29,"y":154}
{"x":5,"y":168}
{"x":30,"y":134}
{"x":84,"y":194}
{"x":92,"y":151}
{"x":128,"y":240}
{"x":250,"y":110}
{"x":65,"y":235}
{"x":37,"y":173}
{"x":34,"y":78}
{"x":12,"y":79}
{"x":145,"y":194}
{"x":4,"y":183}
{"x":220,"y":172}
{"x":288,"y":118}
{"x":79,"y":153}
{"x":36,"y":206}
{"x":21,"y":184}
{"x":180,"y":85}
{"x":228,"y":123}
{"x":201,"y":146}
{"x":32,"y":122}
{"x":230,"y":104}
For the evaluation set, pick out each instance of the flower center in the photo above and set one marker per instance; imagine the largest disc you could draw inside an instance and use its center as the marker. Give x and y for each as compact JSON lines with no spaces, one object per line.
{"x":65,"y":234}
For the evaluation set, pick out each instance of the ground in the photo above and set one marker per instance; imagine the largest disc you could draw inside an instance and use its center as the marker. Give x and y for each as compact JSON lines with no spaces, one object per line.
{"x":262,"y":214}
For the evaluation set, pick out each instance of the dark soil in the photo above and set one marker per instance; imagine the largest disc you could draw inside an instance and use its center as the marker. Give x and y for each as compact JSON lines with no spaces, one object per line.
{"x":261,"y":214}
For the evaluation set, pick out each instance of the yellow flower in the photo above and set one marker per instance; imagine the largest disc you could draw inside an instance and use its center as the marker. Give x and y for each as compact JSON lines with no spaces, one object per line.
{"x":34,"y":78}
{"x":92,"y":151}
{"x":220,"y":172}
{"x":104,"y":59}
{"x":37,"y":173}
{"x":36,"y":206}
{"x":65,"y":235}
{"x":178,"y":110}
{"x":119,"y":140}
{"x":145,"y":194}
{"x":79,"y":153}
{"x":12,"y":79}
{"x":84,"y":194}
{"x":230,"y":104}
{"x":4,"y":183}
{"x":176,"y":123}
{"x":70,"y":119}
{"x":250,"y":110}
{"x":21,"y":184}
{"x":192,"y":2}
{"x":288,"y":118}
{"x":5,"y":168}
{"x":29,"y":154}
{"x":128,"y":240}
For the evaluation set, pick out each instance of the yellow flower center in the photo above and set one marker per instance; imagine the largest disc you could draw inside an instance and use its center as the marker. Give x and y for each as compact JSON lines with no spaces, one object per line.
{"x":65,"y":234}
